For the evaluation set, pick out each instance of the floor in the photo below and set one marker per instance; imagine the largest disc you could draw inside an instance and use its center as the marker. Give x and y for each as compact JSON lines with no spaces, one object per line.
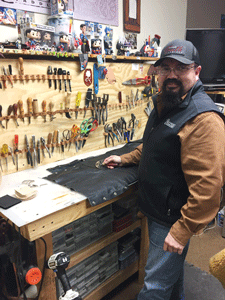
{"x":202,"y":247}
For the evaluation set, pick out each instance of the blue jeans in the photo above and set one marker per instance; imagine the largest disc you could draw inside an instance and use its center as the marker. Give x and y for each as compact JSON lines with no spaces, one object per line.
{"x":164,"y":271}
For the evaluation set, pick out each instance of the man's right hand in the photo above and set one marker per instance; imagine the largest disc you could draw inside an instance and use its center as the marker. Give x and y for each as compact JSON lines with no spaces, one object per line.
{"x":112,"y":161}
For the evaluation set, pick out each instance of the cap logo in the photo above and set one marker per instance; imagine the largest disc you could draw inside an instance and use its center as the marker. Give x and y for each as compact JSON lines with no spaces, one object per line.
{"x":174,"y":50}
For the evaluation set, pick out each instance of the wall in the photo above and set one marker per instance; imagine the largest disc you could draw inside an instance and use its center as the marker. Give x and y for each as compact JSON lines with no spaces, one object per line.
{"x":204,"y":14}
{"x":166,"y":18}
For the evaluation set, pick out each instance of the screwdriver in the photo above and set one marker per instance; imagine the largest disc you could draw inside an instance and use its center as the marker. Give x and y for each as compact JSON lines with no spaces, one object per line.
{"x":55,"y":134}
{"x":49,"y":72}
{"x":68,"y":73}
{"x":5,"y":151}
{"x":11,"y":151}
{"x":44,"y":109}
{"x":16,"y":141}
{"x":29,"y":104}
{"x":78,"y":99}
{"x":10,"y":74}
{"x":4,"y":81}
{"x":20,"y":104}
{"x":10,"y":109}
{"x":21,"y":68}
{"x":64,"y":79}
{"x":1,"y":116}
{"x":35,"y":107}
{"x":49,"y":142}
{"x":55,"y":81}
{"x":60,"y":81}
{"x":15,"y":107}
{"x":38,"y":152}
{"x":51,"y":105}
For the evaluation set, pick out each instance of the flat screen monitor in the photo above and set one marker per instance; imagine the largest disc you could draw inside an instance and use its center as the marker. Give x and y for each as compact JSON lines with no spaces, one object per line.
{"x":210,"y":44}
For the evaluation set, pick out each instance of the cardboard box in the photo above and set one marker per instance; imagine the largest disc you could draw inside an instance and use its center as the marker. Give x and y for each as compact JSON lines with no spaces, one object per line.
{"x":61,"y":7}
{"x":37,"y":36}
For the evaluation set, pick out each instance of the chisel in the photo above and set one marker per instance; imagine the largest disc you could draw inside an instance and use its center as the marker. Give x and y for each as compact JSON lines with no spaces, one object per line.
{"x":21,"y":110}
{"x":1,"y":116}
{"x":44,"y":109}
{"x":15,"y":107}
{"x":29,"y":105}
{"x":16,"y":141}
{"x":10,"y":109}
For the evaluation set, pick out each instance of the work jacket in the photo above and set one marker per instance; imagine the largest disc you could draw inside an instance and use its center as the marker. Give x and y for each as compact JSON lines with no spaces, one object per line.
{"x":162,"y":186}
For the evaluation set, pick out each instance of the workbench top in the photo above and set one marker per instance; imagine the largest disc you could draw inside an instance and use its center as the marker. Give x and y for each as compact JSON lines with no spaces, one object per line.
{"x":50,"y":197}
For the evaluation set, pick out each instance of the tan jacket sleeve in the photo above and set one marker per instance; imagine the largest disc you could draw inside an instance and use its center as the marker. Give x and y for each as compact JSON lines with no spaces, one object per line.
{"x":132,"y":157}
{"x":203,"y":163}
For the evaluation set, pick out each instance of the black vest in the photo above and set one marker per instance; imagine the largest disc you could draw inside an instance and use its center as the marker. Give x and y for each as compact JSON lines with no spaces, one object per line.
{"x":162,"y":187}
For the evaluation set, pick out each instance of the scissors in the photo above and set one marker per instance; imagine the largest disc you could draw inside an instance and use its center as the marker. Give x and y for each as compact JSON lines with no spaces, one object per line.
{"x":87,"y":126}
{"x":76,"y":131}
{"x":69,"y":135}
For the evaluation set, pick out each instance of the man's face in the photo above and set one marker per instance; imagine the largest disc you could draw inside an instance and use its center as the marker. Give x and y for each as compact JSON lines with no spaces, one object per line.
{"x":173,"y":82}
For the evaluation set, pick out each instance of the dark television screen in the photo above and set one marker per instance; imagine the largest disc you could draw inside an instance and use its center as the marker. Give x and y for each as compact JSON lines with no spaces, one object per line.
{"x":211,"y":46}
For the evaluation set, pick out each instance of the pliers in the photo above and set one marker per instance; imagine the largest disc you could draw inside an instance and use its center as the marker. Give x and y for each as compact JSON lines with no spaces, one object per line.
{"x":108,"y":135}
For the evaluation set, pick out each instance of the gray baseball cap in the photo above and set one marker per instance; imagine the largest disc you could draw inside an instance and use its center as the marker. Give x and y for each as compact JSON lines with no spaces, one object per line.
{"x":180,"y":50}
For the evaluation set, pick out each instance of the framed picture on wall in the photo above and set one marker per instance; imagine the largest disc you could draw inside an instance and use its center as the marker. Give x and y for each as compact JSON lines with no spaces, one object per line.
{"x":131,"y":15}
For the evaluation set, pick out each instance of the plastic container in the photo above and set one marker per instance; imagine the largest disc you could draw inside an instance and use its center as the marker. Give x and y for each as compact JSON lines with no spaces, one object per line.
{"x":63,"y":27}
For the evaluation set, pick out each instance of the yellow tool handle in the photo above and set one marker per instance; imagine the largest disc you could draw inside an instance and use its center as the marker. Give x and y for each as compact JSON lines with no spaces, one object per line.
{"x":21,"y":65}
{"x":5,"y":149}
{"x":29,"y":103}
{"x":78,"y":99}
{"x":35,"y":106}
{"x":20,"y":104}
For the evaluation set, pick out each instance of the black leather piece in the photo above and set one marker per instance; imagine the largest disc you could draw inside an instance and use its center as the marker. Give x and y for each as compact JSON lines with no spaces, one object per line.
{"x":98,"y":185}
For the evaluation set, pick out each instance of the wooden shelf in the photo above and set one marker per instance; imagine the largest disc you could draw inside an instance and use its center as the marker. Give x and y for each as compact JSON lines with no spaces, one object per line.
{"x":111,"y":283}
{"x":100,"y":244}
{"x":47,"y":55}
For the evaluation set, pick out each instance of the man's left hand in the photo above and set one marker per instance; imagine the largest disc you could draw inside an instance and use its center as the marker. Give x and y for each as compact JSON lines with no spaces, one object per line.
{"x":171,"y":245}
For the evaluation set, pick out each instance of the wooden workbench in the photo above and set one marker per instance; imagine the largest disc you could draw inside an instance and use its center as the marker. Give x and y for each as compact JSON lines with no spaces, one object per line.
{"x":56,"y":206}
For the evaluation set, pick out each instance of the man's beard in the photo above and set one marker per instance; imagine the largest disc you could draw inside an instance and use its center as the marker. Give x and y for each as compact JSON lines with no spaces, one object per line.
{"x":170,"y":98}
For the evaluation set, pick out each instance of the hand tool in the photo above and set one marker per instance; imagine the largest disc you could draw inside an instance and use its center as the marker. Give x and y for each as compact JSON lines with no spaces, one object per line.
{"x":10,"y":75}
{"x":77,"y":103}
{"x":55,"y":80}
{"x":95,"y":71}
{"x":87,"y":100}
{"x":58,"y":139}
{"x":1,"y":164}
{"x":16,"y":142}
{"x":68,"y":136}
{"x":11,"y":151}
{"x":105,"y":100}
{"x":21,"y":110}
{"x":132,"y":97}
{"x":35,"y":107}
{"x":4,"y":81}
{"x":64,"y":79}
{"x":1,"y":116}
{"x":9,"y":111}
{"x":67,"y":105}
{"x":43,"y":143}
{"x":29,"y":156}
{"x":15,"y":107}
{"x":21,"y":68}
{"x":128,"y":101}
{"x":29,"y":105}
{"x":38,"y":152}
{"x":49,"y":141}
{"x":116,"y":129}
{"x":138,"y":81}
{"x":76,"y":131}
{"x":34,"y":150}
{"x":44,"y":109}
{"x":86,"y":127}
{"x":94,"y":105}
{"x":49,"y":72}
{"x":148,"y":109}
{"x":54,"y":140}
{"x":5,"y":151}
{"x":51,"y":106}
{"x":108,"y":135}
{"x":131,"y":125}
{"x":62,"y":145}
{"x":99,"y":109}
{"x":60,"y":81}
{"x":69,"y":82}
{"x":136,"y":96}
